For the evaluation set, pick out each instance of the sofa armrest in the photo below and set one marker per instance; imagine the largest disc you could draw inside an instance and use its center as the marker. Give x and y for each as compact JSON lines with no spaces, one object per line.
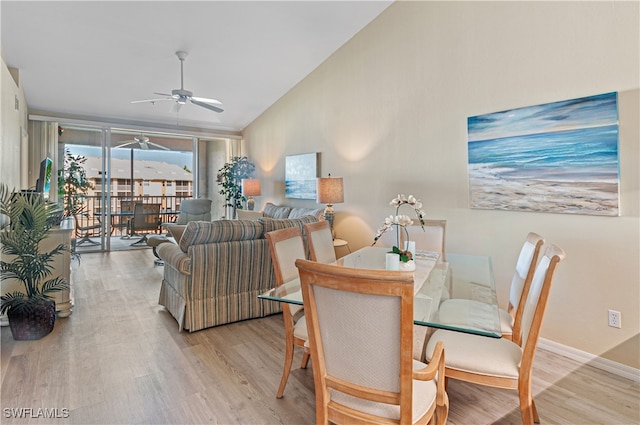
{"x":172,"y":255}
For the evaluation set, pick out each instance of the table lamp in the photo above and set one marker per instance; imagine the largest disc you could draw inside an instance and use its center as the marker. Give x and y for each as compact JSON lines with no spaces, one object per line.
{"x":250,"y":188}
{"x":329,"y":191}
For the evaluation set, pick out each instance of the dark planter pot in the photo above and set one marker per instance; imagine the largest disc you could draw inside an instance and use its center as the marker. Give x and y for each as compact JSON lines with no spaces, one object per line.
{"x":34,"y":324}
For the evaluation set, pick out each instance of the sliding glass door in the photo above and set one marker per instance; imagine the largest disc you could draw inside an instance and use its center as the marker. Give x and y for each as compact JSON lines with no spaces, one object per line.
{"x":147,"y":168}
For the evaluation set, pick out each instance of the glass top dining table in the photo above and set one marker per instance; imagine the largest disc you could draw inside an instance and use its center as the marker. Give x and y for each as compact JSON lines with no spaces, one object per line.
{"x":457,"y":294}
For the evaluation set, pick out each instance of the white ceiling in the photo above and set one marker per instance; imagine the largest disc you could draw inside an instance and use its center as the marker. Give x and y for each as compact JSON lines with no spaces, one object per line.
{"x":90,"y":59}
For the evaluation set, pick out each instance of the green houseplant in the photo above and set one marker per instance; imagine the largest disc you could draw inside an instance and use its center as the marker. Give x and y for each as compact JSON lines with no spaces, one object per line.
{"x":230,"y":178}
{"x":73,"y":184}
{"x":31,"y":312}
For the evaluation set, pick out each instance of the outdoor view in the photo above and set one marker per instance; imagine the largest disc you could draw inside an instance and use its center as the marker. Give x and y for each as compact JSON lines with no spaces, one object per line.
{"x":157,"y":179}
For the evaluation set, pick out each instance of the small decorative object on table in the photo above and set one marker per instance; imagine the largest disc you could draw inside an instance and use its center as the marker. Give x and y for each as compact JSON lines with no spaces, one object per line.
{"x":401,"y":222}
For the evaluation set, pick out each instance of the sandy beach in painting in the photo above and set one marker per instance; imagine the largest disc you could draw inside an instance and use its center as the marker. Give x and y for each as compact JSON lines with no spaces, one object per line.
{"x":489,"y":191}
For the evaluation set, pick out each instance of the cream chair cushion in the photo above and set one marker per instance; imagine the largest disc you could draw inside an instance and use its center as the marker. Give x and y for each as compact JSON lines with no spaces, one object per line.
{"x":506,"y":322}
{"x":300,"y":329}
{"x":478,"y":354}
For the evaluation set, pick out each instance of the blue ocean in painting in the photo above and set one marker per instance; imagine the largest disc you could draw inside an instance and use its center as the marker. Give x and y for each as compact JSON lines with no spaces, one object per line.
{"x":300,"y":189}
{"x":580,"y":155}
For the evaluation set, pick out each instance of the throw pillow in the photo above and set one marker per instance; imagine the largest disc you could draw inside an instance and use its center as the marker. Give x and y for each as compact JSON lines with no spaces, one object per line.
{"x":275,"y":211}
{"x":271,"y":224}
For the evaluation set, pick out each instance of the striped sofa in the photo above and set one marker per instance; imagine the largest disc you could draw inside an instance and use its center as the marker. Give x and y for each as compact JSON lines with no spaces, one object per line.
{"x":216,"y":271}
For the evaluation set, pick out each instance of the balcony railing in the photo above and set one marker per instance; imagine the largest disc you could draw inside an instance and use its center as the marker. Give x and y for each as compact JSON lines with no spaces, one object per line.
{"x":94,"y":213}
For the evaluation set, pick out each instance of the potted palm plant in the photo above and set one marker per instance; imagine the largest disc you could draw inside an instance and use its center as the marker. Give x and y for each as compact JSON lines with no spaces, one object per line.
{"x":31,"y":311}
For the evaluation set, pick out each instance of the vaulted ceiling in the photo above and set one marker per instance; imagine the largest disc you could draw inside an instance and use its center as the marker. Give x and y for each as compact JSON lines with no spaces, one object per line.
{"x":90,"y":59}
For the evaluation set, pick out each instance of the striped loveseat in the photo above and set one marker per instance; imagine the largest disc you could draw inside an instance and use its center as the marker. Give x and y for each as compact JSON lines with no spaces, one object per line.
{"x":216,"y":271}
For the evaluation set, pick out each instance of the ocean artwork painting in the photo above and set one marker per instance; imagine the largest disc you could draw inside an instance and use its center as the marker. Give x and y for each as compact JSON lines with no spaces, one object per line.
{"x":559,"y":157}
{"x":300,"y":173}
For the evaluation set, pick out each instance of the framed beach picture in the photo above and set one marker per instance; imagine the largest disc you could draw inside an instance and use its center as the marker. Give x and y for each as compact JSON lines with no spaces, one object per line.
{"x":559,"y":157}
{"x":300,"y":173}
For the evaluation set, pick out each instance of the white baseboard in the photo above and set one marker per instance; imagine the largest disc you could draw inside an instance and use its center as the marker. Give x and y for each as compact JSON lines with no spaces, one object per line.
{"x":583,"y":357}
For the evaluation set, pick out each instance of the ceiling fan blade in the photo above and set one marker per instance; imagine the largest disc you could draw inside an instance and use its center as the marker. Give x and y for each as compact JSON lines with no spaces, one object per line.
{"x":158,"y":146}
{"x":126,"y":143}
{"x":149,"y":100}
{"x":206,"y":105}
{"x":205,"y":100}
{"x":164,"y":94}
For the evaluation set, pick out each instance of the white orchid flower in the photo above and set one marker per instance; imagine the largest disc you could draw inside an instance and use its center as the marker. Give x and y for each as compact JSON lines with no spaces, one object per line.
{"x":401,"y":220}
{"x":404,"y":220}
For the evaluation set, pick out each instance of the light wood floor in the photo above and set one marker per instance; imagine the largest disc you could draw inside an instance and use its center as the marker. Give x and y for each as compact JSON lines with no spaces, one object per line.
{"x":119,"y":359}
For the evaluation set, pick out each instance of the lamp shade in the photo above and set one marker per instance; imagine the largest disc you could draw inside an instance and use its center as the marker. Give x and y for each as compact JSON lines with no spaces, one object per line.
{"x":329,"y":190}
{"x":251,"y":187}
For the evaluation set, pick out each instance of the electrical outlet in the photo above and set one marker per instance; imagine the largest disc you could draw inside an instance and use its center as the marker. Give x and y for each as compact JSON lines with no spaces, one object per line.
{"x":615,"y":319}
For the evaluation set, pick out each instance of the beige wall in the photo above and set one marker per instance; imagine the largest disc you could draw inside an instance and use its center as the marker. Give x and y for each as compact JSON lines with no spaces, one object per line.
{"x":388,"y":113}
{"x":13,"y":129}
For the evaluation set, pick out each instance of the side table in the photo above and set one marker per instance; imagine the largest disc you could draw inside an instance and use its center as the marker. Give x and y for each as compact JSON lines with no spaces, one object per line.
{"x":339,"y":243}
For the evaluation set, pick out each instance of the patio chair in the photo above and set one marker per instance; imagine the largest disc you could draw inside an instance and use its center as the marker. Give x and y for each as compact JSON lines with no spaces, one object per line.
{"x":85,"y":230}
{"x":146,"y":219}
{"x":124,"y":217}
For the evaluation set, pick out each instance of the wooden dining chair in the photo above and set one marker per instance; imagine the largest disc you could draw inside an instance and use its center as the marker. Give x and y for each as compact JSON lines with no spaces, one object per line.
{"x":286,"y":246}
{"x":361,"y":336}
{"x":320,"y":241}
{"x":499,"y":362}
{"x":511,"y":318}
{"x":430,"y":237}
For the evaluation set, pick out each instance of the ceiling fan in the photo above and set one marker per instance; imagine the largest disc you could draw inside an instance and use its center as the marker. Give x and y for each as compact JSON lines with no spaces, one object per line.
{"x":181,"y":96}
{"x":143,"y":141}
